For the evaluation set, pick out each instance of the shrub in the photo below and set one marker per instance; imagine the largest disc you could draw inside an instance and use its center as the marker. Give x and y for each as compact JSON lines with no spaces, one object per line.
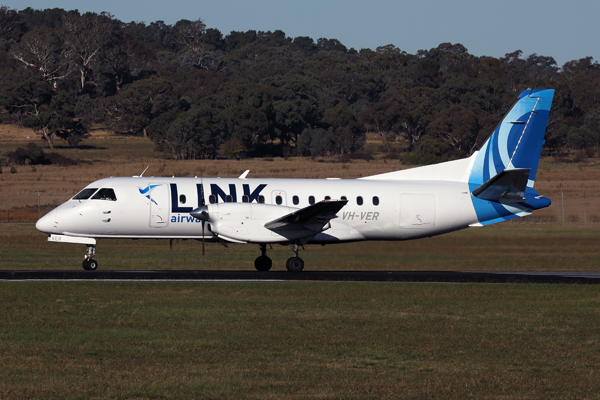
{"x":34,"y":155}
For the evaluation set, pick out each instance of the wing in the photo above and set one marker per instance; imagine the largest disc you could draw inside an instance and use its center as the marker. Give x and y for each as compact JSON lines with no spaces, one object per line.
{"x":313,"y":217}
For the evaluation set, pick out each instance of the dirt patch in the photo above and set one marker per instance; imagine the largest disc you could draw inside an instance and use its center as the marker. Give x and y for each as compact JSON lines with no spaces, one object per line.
{"x":9,"y":133}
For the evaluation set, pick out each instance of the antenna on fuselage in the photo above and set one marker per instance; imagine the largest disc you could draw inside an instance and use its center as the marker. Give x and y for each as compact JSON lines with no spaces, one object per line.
{"x":142,"y":174}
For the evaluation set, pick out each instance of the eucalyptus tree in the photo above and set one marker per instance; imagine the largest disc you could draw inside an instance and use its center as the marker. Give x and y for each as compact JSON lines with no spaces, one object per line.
{"x":132,"y":110}
{"x":48,"y":112}
{"x":86,"y":36}
{"x":44,"y":51}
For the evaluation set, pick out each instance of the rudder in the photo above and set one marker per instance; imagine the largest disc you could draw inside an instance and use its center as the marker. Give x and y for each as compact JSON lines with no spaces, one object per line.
{"x":516,"y":143}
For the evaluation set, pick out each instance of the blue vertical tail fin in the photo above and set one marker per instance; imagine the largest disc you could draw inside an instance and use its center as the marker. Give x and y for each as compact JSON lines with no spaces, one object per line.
{"x":515,"y":144}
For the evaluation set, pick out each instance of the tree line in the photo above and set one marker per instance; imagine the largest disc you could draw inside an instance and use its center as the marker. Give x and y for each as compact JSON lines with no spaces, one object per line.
{"x":197,"y":93}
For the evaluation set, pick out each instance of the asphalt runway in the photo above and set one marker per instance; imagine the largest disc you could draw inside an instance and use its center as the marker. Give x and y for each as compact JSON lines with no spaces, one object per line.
{"x":565,"y":277}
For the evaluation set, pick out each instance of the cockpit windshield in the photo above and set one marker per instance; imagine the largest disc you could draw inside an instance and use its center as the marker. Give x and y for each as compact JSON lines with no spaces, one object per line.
{"x":105,"y":194}
{"x":85,"y":194}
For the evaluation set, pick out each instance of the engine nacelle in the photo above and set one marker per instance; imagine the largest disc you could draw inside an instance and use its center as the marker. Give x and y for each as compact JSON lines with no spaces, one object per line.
{"x":245,"y":222}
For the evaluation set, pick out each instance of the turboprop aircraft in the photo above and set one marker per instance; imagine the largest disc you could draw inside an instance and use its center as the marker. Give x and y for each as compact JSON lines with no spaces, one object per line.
{"x":492,"y":185}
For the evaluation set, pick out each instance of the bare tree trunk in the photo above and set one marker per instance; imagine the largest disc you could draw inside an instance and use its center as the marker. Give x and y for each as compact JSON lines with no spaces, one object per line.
{"x":82,"y":77}
{"x":47,"y":138}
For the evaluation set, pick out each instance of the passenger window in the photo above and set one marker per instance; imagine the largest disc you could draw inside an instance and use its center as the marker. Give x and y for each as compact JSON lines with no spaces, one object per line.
{"x":105,"y":194}
{"x":296,"y":200}
{"x":245,"y":199}
{"x":327,"y":198}
{"x":359,"y":200}
{"x":228,"y":199}
{"x":84,"y":194}
{"x":212,"y":199}
{"x":182,"y":198}
{"x":278,"y":200}
{"x":311,"y":199}
{"x":375,"y":200}
{"x":344,"y":198}
{"x":261,"y":199}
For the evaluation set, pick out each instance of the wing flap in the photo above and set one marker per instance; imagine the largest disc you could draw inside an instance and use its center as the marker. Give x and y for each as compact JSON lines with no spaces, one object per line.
{"x":507,"y":187}
{"x":311,"y":217}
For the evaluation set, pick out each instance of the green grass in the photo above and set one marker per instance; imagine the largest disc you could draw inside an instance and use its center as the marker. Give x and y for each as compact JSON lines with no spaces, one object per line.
{"x":322,"y":340}
{"x":504,"y":247}
{"x":97,"y":340}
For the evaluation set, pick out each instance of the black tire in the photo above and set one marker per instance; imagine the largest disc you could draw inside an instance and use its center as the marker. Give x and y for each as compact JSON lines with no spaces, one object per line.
{"x":294,"y":264}
{"x":89,"y":264}
{"x":93,"y":265}
{"x":263,"y":263}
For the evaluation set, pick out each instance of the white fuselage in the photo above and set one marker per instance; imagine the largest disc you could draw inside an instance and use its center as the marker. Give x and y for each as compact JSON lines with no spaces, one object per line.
{"x":159,"y":208}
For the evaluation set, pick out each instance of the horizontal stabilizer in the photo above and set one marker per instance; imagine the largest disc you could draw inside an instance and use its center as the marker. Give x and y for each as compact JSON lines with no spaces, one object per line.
{"x":313,"y":217}
{"x":506,"y":187}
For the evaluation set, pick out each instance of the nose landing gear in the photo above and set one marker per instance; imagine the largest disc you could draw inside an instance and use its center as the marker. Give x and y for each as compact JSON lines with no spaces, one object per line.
{"x":89,"y":264}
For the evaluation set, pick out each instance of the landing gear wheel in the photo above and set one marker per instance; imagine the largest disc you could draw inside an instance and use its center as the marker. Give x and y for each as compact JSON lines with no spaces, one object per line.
{"x":89,"y":264}
{"x":263,"y":263}
{"x":294,"y":264}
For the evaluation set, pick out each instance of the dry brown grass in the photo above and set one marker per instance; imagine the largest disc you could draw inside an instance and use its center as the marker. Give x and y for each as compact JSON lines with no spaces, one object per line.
{"x":15,"y":133}
{"x":105,"y":154}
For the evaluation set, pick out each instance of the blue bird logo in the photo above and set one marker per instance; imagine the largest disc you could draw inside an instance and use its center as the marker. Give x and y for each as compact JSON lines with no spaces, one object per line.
{"x":147,"y":190}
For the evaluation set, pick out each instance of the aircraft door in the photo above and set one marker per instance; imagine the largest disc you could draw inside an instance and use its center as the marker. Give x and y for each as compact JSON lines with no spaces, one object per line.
{"x":417,"y":211}
{"x":159,"y":204}
{"x":278,"y":197}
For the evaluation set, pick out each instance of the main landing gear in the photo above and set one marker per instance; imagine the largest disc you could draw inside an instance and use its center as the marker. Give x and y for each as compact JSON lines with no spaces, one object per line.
{"x":294,"y":264}
{"x":264,"y":263}
{"x":89,"y":264}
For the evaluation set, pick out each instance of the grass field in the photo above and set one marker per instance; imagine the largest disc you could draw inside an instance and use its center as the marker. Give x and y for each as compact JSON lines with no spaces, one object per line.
{"x":99,"y":340}
{"x":289,"y":341}
{"x":95,"y":340}
{"x":502,"y":247}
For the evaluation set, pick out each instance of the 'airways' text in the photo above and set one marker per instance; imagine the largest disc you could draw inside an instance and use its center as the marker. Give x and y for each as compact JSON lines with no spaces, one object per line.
{"x":184,"y":219}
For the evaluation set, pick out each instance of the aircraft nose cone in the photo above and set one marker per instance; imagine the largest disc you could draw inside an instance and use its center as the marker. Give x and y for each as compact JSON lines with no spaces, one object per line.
{"x":46,"y":223}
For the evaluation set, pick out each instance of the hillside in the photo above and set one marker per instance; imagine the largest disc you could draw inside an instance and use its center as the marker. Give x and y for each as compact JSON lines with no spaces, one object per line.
{"x":197,"y":93}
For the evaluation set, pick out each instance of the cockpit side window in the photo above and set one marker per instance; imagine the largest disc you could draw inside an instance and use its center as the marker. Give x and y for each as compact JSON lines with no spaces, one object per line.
{"x":85,"y":194}
{"x":105,"y":194}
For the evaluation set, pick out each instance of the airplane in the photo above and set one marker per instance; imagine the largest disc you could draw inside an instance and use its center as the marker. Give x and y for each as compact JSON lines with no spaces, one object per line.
{"x":494,"y":184}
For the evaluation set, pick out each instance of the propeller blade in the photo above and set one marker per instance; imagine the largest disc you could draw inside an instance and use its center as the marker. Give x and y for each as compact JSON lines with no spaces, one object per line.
{"x":201,"y":213}
{"x":203,"y":222}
